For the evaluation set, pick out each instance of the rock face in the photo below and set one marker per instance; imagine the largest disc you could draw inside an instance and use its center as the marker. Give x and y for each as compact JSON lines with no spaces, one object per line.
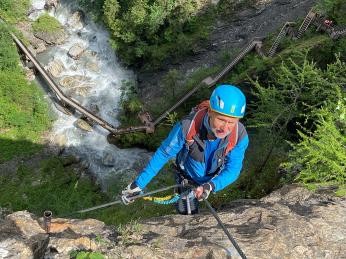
{"x":257,"y":19}
{"x":290,"y":223}
{"x":52,"y":38}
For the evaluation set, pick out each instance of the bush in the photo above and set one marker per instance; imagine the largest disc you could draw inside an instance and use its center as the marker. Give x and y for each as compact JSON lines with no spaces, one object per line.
{"x":320,"y":156}
{"x":48,"y":186}
{"x":334,"y":9}
{"x":152,"y":32}
{"x":294,"y":91}
{"x":46,"y":23}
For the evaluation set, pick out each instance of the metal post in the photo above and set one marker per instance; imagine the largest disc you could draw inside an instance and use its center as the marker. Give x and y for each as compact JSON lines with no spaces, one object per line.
{"x":47,"y":218}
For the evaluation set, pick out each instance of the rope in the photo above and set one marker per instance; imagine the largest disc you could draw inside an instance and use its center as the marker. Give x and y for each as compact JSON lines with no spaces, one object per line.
{"x":164,"y":200}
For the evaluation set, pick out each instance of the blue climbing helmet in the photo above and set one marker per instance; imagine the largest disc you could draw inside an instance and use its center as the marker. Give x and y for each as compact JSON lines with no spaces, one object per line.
{"x":228,"y":100}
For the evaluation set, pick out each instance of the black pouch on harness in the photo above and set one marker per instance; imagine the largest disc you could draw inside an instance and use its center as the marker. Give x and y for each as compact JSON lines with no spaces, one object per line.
{"x":187,"y":204}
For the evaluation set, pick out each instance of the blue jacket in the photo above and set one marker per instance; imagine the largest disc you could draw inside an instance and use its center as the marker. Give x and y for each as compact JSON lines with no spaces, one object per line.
{"x":198,"y":171}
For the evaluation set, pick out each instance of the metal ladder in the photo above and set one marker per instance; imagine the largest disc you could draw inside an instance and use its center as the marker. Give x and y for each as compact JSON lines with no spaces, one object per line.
{"x":278,"y":39}
{"x":307,"y":21}
{"x":209,"y":81}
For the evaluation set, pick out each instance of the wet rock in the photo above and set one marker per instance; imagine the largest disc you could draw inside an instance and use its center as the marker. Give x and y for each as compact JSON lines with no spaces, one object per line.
{"x":51,"y":4}
{"x":39,"y":46}
{"x":82,"y":124}
{"x":68,"y":160}
{"x":92,"y":66}
{"x":82,"y":91}
{"x":76,"y":20}
{"x":90,"y":53}
{"x":60,"y":140}
{"x":32,"y":50}
{"x":76,"y":51}
{"x":52,"y":38}
{"x":108,"y":159}
{"x":73,"y":81}
{"x":29,"y":74}
{"x":55,"y":67}
{"x":94,"y":108}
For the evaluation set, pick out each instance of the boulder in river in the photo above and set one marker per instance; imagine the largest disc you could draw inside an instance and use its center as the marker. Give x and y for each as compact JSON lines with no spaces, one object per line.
{"x":55,"y":67}
{"x":52,"y":38}
{"x":82,"y":124}
{"x":73,"y":81}
{"x":76,"y":20}
{"x":76,"y":51}
{"x":51,"y":4}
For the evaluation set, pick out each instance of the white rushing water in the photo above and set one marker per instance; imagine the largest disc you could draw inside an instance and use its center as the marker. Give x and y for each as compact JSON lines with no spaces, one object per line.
{"x":101,"y":74}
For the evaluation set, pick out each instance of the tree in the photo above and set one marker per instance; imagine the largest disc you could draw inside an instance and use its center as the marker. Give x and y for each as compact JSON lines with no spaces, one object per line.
{"x":320,"y":156}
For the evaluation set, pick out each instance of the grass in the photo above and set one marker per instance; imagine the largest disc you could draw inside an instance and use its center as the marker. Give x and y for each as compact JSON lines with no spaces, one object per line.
{"x":85,"y":255}
{"x":13,"y":11}
{"x":50,"y":186}
{"x":46,"y":23}
{"x":23,"y":110}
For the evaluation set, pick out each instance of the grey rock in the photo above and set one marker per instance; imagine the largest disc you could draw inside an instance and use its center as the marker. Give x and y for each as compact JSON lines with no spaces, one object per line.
{"x":76,"y":51}
{"x":55,"y":67}
{"x":76,"y":20}
{"x":52,"y":38}
{"x":51,"y":4}
{"x":82,"y":124}
{"x":289,"y":223}
{"x":73,"y":81}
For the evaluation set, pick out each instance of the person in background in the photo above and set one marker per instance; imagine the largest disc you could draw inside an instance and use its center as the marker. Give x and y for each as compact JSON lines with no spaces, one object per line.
{"x":208,"y":146}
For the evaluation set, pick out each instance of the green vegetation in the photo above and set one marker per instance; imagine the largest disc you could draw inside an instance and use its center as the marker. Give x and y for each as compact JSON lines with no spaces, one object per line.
{"x":320,"y":156}
{"x":127,"y":230}
{"x":23,"y":111}
{"x":153,"y":32}
{"x":86,"y":255}
{"x":48,"y":186}
{"x":303,"y":81}
{"x":13,"y":11}
{"x":93,"y":8}
{"x":334,"y":9}
{"x":46,"y":23}
{"x":301,"y":138}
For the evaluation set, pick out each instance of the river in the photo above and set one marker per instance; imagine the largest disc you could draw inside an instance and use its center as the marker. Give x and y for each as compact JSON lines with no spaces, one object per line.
{"x":96,"y":76}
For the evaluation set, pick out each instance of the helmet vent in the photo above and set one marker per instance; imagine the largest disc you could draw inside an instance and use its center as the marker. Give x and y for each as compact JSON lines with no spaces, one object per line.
{"x":221,"y":104}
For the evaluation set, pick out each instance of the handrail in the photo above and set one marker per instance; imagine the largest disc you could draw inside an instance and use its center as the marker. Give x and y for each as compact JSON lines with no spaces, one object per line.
{"x":149,"y":126}
{"x":69,"y":101}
